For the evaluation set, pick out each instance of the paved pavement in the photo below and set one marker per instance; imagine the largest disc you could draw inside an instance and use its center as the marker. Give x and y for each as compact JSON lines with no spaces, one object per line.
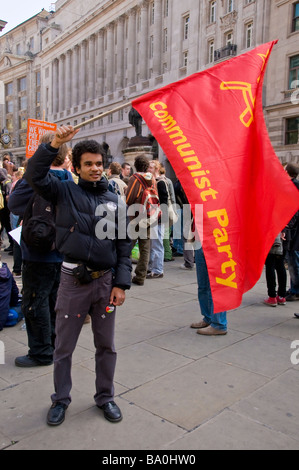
{"x":177,"y":390}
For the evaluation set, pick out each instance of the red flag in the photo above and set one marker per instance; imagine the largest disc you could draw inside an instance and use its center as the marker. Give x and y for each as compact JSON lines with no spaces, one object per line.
{"x":211,"y":128}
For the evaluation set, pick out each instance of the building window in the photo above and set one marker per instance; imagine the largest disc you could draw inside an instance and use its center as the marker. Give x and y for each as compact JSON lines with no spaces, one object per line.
{"x":248,"y":35}
{"x":295,"y":21}
{"x":152,"y":10}
{"x":38,"y":97}
{"x":165,"y":40}
{"x":9,"y":106}
{"x":166,"y":8}
{"x":212,"y":12}
{"x":23,"y":103}
{"x":31,"y":44}
{"x":230,"y":6}
{"x":294,"y":72}
{"x":9,"y":89}
{"x":151,"y":51}
{"x":248,"y":1}
{"x":23,"y":123}
{"x":37,"y":79}
{"x":138,"y":53}
{"x":185,"y":59}
{"x":22,"y":84}
{"x":211,"y":52}
{"x":186,"y":26}
{"x":291,"y":133}
{"x":229,"y":38}
{"x":9,"y":124}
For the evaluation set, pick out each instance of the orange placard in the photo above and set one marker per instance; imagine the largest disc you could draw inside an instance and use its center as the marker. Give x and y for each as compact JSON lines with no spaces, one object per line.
{"x":35,"y":130}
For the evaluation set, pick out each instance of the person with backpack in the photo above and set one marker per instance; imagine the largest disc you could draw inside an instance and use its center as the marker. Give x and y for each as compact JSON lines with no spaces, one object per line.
{"x":96,"y":268}
{"x":41,"y":264}
{"x":156,"y":261}
{"x":141,"y":188}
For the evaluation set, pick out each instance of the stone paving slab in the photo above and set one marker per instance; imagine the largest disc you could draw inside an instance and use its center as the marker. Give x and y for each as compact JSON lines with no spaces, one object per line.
{"x":177,"y":390}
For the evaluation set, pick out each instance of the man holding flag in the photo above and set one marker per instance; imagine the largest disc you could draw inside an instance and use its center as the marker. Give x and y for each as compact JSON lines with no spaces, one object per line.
{"x":211,"y":128}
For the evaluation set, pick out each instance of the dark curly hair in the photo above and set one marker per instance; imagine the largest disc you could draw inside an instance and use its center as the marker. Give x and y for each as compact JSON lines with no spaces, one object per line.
{"x":86,"y":146}
{"x":141,"y":163}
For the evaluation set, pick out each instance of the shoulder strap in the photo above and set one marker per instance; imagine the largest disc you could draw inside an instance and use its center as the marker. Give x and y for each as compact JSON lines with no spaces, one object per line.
{"x":141,"y":180}
{"x":28,"y":210}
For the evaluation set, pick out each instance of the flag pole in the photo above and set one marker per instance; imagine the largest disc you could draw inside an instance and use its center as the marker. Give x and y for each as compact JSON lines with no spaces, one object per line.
{"x":106,"y":113}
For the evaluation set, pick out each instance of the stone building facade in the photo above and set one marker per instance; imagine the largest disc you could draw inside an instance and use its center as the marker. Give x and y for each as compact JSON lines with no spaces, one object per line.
{"x":85,"y":58}
{"x":282,"y":90}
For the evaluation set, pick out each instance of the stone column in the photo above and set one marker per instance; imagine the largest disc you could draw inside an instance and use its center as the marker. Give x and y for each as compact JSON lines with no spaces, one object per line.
{"x":100,"y":65}
{"x":91,"y":68}
{"x":75,"y":71}
{"x":55,"y":85}
{"x":110,"y":59}
{"x":82,"y":73}
{"x":144,"y":41}
{"x":120,"y":53}
{"x":157,"y":38}
{"x":68,"y":82}
{"x":131,"y":47}
{"x":61,"y":85}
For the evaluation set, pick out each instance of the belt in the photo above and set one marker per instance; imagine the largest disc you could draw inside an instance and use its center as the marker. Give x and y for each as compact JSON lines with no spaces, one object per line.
{"x":67,"y":268}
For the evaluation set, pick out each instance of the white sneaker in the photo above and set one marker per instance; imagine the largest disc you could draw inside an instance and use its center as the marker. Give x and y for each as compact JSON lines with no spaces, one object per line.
{"x":182,"y":266}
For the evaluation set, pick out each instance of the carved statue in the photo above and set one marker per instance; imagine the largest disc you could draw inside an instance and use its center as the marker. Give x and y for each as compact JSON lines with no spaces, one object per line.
{"x":136,"y":120}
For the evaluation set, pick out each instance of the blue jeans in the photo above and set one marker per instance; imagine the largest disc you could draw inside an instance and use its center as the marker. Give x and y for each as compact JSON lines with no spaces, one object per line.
{"x":293,"y":263}
{"x":156,"y":261}
{"x":216,"y":320}
{"x":178,"y":243}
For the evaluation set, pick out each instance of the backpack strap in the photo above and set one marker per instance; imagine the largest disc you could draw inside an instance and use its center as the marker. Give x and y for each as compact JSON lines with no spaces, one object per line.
{"x":141,"y":180}
{"x":28,"y":211}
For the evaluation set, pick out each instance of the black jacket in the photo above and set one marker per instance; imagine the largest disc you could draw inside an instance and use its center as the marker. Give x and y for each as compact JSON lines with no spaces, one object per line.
{"x":82,"y":210}
{"x":292,"y":229}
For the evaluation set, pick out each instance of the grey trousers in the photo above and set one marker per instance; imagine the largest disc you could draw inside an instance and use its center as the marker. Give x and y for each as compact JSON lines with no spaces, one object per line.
{"x":74,"y":302}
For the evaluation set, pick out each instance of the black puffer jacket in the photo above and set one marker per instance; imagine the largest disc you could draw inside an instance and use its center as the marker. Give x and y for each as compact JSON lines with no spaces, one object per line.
{"x":292,"y":229}
{"x":83,"y":211}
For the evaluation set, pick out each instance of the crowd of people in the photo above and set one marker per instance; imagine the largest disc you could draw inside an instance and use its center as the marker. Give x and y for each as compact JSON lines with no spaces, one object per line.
{"x":84,"y":276}
{"x":284,"y":252}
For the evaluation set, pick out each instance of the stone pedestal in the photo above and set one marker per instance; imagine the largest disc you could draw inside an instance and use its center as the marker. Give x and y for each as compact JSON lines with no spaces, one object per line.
{"x":138,"y":145}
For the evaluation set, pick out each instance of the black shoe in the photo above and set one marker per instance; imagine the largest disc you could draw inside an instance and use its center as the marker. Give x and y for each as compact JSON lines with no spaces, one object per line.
{"x":137,"y":282}
{"x":292,"y":297}
{"x":27,"y":361}
{"x":56,"y":414}
{"x":111,"y":412}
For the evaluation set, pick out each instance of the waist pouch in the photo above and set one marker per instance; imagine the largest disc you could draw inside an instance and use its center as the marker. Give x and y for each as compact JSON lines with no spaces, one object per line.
{"x":83,"y":274}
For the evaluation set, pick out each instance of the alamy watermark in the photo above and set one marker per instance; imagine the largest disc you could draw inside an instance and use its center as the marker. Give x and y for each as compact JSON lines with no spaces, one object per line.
{"x":295,"y":354}
{"x":2,"y":353}
{"x":119,"y":221}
